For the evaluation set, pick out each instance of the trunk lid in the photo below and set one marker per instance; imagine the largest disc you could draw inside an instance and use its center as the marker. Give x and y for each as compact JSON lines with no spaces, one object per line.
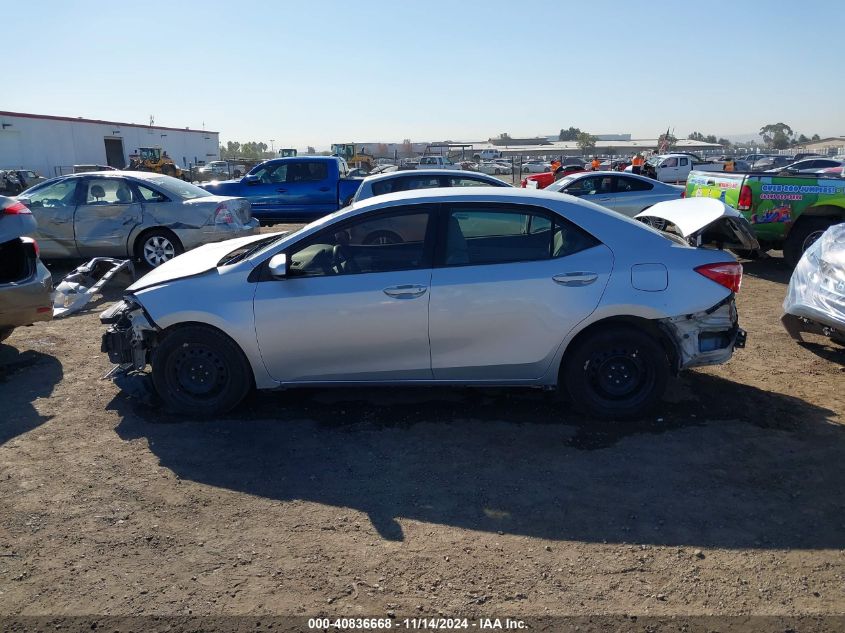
{"x":702,"y":222}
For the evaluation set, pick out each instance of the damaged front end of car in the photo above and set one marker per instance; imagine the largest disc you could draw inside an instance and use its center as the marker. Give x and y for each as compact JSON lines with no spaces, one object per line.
{"x":130,"y":337}
{"x":708,"y":337}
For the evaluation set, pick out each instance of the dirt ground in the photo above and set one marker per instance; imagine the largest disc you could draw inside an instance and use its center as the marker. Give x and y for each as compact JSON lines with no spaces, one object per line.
{"x":425,"y":502}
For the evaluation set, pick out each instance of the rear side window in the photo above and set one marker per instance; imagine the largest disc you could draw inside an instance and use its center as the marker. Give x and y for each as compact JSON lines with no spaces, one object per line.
{"x":624,"y":185}
{"x":311,"y":171}
{"x":470,"y":182}
{"x":101,"y":191}
{"x":478,"y":235}
{"x":151,"y":195}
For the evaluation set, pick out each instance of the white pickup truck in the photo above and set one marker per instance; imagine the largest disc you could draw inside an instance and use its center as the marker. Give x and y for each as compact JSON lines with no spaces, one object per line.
{"x":676,"y":167}
{"x":436,"y":162}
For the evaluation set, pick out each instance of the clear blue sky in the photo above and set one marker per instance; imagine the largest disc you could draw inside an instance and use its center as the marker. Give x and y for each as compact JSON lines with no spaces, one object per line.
{"x":309,"y":73}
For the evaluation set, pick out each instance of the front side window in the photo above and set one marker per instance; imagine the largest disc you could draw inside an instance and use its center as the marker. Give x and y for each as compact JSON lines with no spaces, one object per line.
{"x":373,"y":244}
{"x":671,"y":162}
{"x":107,"y":191}
{"x":591,"y":186}
{"x":59,"y":194}
{"x":477,"y":235}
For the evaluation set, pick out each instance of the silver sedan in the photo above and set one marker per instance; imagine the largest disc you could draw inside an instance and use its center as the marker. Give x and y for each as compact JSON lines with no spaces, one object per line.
{"x":627,"y":194}
{"x":131,"y":214}
{"x":503,"y":286}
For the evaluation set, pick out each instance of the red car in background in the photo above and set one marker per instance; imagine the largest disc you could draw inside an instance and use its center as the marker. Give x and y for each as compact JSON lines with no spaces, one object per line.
{"x":541,"y":181}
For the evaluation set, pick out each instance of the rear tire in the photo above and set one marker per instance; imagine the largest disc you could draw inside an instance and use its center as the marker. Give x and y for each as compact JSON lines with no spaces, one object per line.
{"x":199,"y":371}
{"x":157,"y":246}
{"x":802,"y":237}
{"x":5,"y":333}
{"x":616,"y":372}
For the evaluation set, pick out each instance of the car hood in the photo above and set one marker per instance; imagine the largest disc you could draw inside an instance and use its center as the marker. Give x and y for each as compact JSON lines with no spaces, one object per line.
{"x":194,"y":262}
{"x":707,"y":218}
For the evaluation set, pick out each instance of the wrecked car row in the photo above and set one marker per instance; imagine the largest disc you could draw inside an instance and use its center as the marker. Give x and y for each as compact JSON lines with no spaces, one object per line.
{"x":477,"y":286}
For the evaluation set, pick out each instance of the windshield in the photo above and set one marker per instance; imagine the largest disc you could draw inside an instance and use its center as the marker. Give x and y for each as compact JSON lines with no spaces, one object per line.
{"x":560,"y":184}
{"x":653,"y":160}
{"x":180,"y":188}
{"x":263,"y":245}
{"x":248,"y":249}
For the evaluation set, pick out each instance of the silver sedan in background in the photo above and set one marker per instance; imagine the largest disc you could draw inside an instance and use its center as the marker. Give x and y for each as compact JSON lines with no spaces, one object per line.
{"x":624,"y":193}
{"x":502,"y":286}
{"x":131,"y":214}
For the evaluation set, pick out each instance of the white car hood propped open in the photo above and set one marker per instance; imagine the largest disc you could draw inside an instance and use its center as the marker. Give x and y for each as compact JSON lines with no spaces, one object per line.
{"x":707,"y":217}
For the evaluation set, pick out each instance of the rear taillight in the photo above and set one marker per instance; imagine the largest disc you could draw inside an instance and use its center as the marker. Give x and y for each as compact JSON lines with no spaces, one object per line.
{"x":222,"y":215}
{"x":684,"y":193}
{"x":17,"y":208}
{"x":727,"y":274}
{"x":746,"y":199}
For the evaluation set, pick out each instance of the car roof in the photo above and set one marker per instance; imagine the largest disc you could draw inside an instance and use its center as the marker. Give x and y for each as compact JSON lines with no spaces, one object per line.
{"x":512,"y":195}
{"x":427,"y":172}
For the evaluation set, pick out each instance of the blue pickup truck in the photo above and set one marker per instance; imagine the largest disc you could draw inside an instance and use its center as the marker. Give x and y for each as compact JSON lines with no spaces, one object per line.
{"x":293,"y":189}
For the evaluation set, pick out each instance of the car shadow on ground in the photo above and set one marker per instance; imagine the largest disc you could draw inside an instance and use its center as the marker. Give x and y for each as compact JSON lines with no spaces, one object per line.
{"x":828,"y":350}
{"x":18,"y":389}
{"x":769,"y":268}
{"x":730,"y":466}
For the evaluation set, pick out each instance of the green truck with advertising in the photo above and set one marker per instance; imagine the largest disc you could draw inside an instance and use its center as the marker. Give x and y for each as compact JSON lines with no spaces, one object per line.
{"x":786,"y":212}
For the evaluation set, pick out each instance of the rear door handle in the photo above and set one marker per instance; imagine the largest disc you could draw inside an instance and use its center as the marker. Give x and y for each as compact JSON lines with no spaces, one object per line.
{"x":575,"y":279}
{"x":409,"y":291}
{"x":602,"y":199}
{"x":324,"y":188}
{"x":282,"y":190}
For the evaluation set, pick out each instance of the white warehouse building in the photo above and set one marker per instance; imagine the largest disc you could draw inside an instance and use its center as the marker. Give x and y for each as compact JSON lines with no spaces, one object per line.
{"x":52,"y":145}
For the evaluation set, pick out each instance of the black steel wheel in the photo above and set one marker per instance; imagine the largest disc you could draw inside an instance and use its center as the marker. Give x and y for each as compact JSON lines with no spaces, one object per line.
{"x":199,"y":371}
{"x":616,"y":372}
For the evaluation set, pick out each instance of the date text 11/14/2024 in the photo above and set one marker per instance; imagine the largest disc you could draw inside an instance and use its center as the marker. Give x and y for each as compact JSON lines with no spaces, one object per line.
{"x":376,"y":624}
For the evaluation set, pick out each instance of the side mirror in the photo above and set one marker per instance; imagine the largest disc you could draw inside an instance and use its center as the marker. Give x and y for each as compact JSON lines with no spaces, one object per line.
{"x":251,"y":180}
{"x":278,"y":266}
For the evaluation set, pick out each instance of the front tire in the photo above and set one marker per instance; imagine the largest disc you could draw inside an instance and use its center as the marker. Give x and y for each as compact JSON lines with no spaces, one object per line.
{"x":5,"y":333}
{"x":199,"y":371}
{"x":616,"y":372}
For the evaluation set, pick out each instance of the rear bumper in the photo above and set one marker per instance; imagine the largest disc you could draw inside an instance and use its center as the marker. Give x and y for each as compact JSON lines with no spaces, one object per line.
{"x":191,"y":238}
{"x":29,"y":301}
{"x":706,"y":338}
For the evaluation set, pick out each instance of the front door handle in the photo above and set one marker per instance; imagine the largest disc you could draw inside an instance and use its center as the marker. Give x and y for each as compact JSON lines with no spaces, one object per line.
{"x":282,"y":190}
{"x":575,"y":279}
{"x":324,"y":188}
{"x":409,"y":291}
